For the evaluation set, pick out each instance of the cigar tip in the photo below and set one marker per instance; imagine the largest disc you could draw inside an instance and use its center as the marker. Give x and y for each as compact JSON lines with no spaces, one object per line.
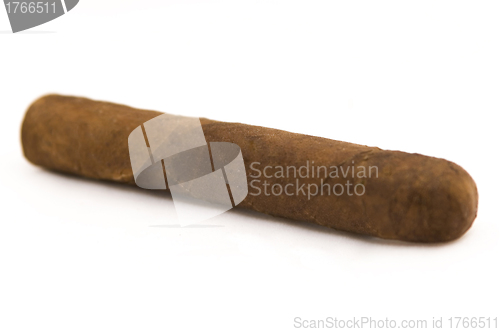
{"x":421,"y":199}
{"x":459,"y":200}
{"x":450,"y":201}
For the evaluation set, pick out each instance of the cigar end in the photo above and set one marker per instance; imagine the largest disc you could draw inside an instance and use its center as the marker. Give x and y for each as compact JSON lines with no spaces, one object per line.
{"x":455,"y":204}
{"x":435,"y":201}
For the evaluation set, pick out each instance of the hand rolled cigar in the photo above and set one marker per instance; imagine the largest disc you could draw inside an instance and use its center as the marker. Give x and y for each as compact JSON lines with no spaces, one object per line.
{"x":345,"y":186}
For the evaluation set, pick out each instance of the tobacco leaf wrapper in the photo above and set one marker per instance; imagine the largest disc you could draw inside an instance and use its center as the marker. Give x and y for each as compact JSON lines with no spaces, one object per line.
{"x":414,"y":197}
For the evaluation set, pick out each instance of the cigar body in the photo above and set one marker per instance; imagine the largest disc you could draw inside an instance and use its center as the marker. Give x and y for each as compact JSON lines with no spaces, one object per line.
{"x":411,"y":198}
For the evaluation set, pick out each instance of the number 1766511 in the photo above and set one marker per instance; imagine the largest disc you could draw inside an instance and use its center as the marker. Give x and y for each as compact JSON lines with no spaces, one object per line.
{"x":31,"y":7}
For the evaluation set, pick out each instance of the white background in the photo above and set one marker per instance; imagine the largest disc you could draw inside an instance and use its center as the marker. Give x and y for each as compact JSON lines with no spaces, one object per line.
{"x":81,"y":255}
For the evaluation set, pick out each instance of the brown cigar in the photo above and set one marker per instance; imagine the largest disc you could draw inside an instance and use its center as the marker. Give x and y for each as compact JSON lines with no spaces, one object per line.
{"x":388,"y":194}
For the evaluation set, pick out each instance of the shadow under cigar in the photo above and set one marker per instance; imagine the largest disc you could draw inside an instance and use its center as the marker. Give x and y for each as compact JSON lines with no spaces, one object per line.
{"x":310,"y":227}
{"x":338,"y":233}
{"x":188,"y":226}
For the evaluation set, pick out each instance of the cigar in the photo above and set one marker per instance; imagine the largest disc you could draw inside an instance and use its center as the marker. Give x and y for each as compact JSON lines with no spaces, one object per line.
{"x":344,"y":186}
